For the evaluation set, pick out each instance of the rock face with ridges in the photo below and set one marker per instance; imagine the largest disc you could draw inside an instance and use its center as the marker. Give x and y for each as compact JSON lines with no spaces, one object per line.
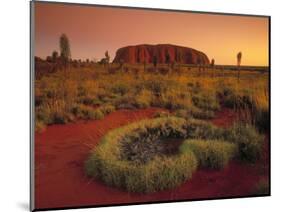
{"x":145,"y":53}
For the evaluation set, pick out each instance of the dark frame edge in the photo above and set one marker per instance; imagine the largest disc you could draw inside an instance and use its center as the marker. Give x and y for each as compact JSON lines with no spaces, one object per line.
{"x":269,"y":89}
{"x":32,"y":112}
{"x":149,"y":203}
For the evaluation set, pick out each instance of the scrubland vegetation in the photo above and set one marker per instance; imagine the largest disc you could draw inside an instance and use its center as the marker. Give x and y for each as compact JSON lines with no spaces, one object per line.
{"x":94,"y":90}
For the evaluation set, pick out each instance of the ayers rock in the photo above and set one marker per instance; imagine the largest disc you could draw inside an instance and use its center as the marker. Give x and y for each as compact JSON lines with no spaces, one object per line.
{"x":144,"y":53}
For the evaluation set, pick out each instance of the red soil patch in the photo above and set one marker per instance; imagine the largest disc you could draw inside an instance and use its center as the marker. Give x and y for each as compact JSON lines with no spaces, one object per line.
{"x":60,"y":181}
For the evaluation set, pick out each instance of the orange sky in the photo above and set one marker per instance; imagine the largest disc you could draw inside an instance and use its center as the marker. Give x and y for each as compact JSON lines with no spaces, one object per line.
{"x":93,"y":30}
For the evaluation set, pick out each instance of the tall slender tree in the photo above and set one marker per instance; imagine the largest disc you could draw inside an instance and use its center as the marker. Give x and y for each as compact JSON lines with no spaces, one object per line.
{"x":65,"y":49}
{"x":212,"y":66}
{"x":239,"y":58}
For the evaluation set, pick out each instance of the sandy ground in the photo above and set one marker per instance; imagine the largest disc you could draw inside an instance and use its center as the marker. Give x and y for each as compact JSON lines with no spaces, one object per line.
{"x":60,"y":181}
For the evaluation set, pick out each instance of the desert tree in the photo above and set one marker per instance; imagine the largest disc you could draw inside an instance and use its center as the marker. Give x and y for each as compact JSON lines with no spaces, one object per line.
{"x":107,"y":57}
{"x":55,"y":56}
{"x":65,"y":56}
{"x":212,"y":65}
{"x":65,"y":53}
{"x":239,"y":58}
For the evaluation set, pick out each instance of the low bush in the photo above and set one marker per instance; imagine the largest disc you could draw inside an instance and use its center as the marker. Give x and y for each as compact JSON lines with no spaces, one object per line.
{"x":96,"y":114}
{"x":247,"y":138}
{"x":87,"y":112}
{"x":125,"y":102}
{"x":106,"y":109}
{"x":120,"y":88}
{"x":202,"y":114}
{"x":195,"y":113}
{"x":262,"y":119}
{"x":206,"y":101}
{"x":61,"y":118}
{"x":143,"y":99}
{"x":238,"y":100}
{"x":211,"y":153}
{"x":53,"y":114}
{"x":90,"y":101}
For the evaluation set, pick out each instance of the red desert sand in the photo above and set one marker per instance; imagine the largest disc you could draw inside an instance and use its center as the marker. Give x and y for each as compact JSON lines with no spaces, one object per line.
{"x":60,"y":180}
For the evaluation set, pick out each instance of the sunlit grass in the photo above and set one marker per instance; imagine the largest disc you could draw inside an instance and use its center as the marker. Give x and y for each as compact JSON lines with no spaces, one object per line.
{"x":201,"y":95}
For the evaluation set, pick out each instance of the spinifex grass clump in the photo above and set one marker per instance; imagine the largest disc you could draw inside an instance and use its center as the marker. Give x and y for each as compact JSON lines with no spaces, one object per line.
{"x":112,"y":163}
{"x":249,"y":141}
{"x":211,"y":153}
{"x":149,"y":155}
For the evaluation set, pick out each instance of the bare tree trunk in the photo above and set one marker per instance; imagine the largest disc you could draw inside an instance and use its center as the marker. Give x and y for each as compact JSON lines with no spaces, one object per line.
{"x":238,"y":74}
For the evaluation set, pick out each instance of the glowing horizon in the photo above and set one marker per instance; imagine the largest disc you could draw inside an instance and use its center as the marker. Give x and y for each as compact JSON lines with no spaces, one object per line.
{"x":93,"y":30}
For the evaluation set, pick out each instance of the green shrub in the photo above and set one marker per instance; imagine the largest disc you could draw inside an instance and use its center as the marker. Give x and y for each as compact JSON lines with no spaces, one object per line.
{"x":43,"y":114}
{"x":87,"y":112}
{"x":106,"y":109}
{"x":96,"y":114}
{"x":90,"y":101}
{"x":125,"y":102}
{"x":248,"y":139}
{"x":195,"y":113}
{"x":53,"y":114}
{"x":143,"y":99}
{"x":238,"y":101}
{"x":181,"y":113}
{"x":262,"y":119}
{"x":199,"y":129}
{"x":120,"y":88}
{"x":156,"y":86}
{"x":211,"y":153}
{"x":60,"y":118}
{"x":202,"y":114}
{"x":206,"y":101}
